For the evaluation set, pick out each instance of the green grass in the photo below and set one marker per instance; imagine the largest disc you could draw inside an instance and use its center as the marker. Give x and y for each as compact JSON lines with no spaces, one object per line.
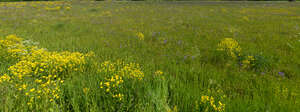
{"x":181,"y":40}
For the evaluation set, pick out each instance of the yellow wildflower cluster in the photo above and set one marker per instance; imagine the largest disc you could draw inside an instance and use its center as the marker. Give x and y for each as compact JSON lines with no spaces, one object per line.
{"x":230,"y":46}
{"x":112,"y":86}
{"x":43,"y":62}
{"x":12,"y":47}
{"x":53,"y":8}
{"x":132,"y":70}
{"x":57,"y":8}
{"x":4,"y":78}
{"x":210,"y":104}
{"x":51,"y":5}
{"x":158,"y":72}
{"x":248,"y":62}
{"x":140,"y":35}
{"x":232,"y":49}
{"x":38,"y":72}
{"x":115,"y":73}
{"x":128,"y":70}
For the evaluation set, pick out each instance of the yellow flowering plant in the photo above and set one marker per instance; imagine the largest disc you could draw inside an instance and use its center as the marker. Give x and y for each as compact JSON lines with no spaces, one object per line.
{"x":228,"y":53}
{"x":230,"y":46}
{"x":213,"y":101}
{"x":37,"y":72}
{"x":140,"y":36}
{"x":210,"y":104}
{"x":247,"y":62}
{"x":12,"y":48}
{"x":232,"y":50}
{"x":116,"y":75}
{"x":4,"y":78}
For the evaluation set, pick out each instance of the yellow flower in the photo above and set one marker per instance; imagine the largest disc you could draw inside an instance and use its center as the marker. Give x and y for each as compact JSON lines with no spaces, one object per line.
{"x":86,"y":90}
{"x":140,"y":35}
{"x":4,"y":78}
{"x":107,"y":84}
{"x":209,"y":102}
{"x":29,"y":103}
{"x":248,"y":62}
{"x":251,"y":58}
{"x":158,"y":72}
{"x":38,"y":80}
{"x":40,"y":65}
{"x":24,"y":86}
{"x":32,"y":90}
{"x":68,"y":8}
{"x":230,"y":46}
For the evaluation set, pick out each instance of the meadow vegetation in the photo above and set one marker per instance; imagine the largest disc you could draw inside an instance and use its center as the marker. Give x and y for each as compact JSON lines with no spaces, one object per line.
{"x":145,"y":57}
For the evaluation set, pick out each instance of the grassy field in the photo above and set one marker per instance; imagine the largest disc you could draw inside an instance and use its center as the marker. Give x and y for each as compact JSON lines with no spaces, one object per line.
{"x":145,"y":57}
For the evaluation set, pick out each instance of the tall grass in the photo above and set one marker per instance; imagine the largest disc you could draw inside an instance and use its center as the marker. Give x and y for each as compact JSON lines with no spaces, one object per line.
{"x":181,"y":40}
